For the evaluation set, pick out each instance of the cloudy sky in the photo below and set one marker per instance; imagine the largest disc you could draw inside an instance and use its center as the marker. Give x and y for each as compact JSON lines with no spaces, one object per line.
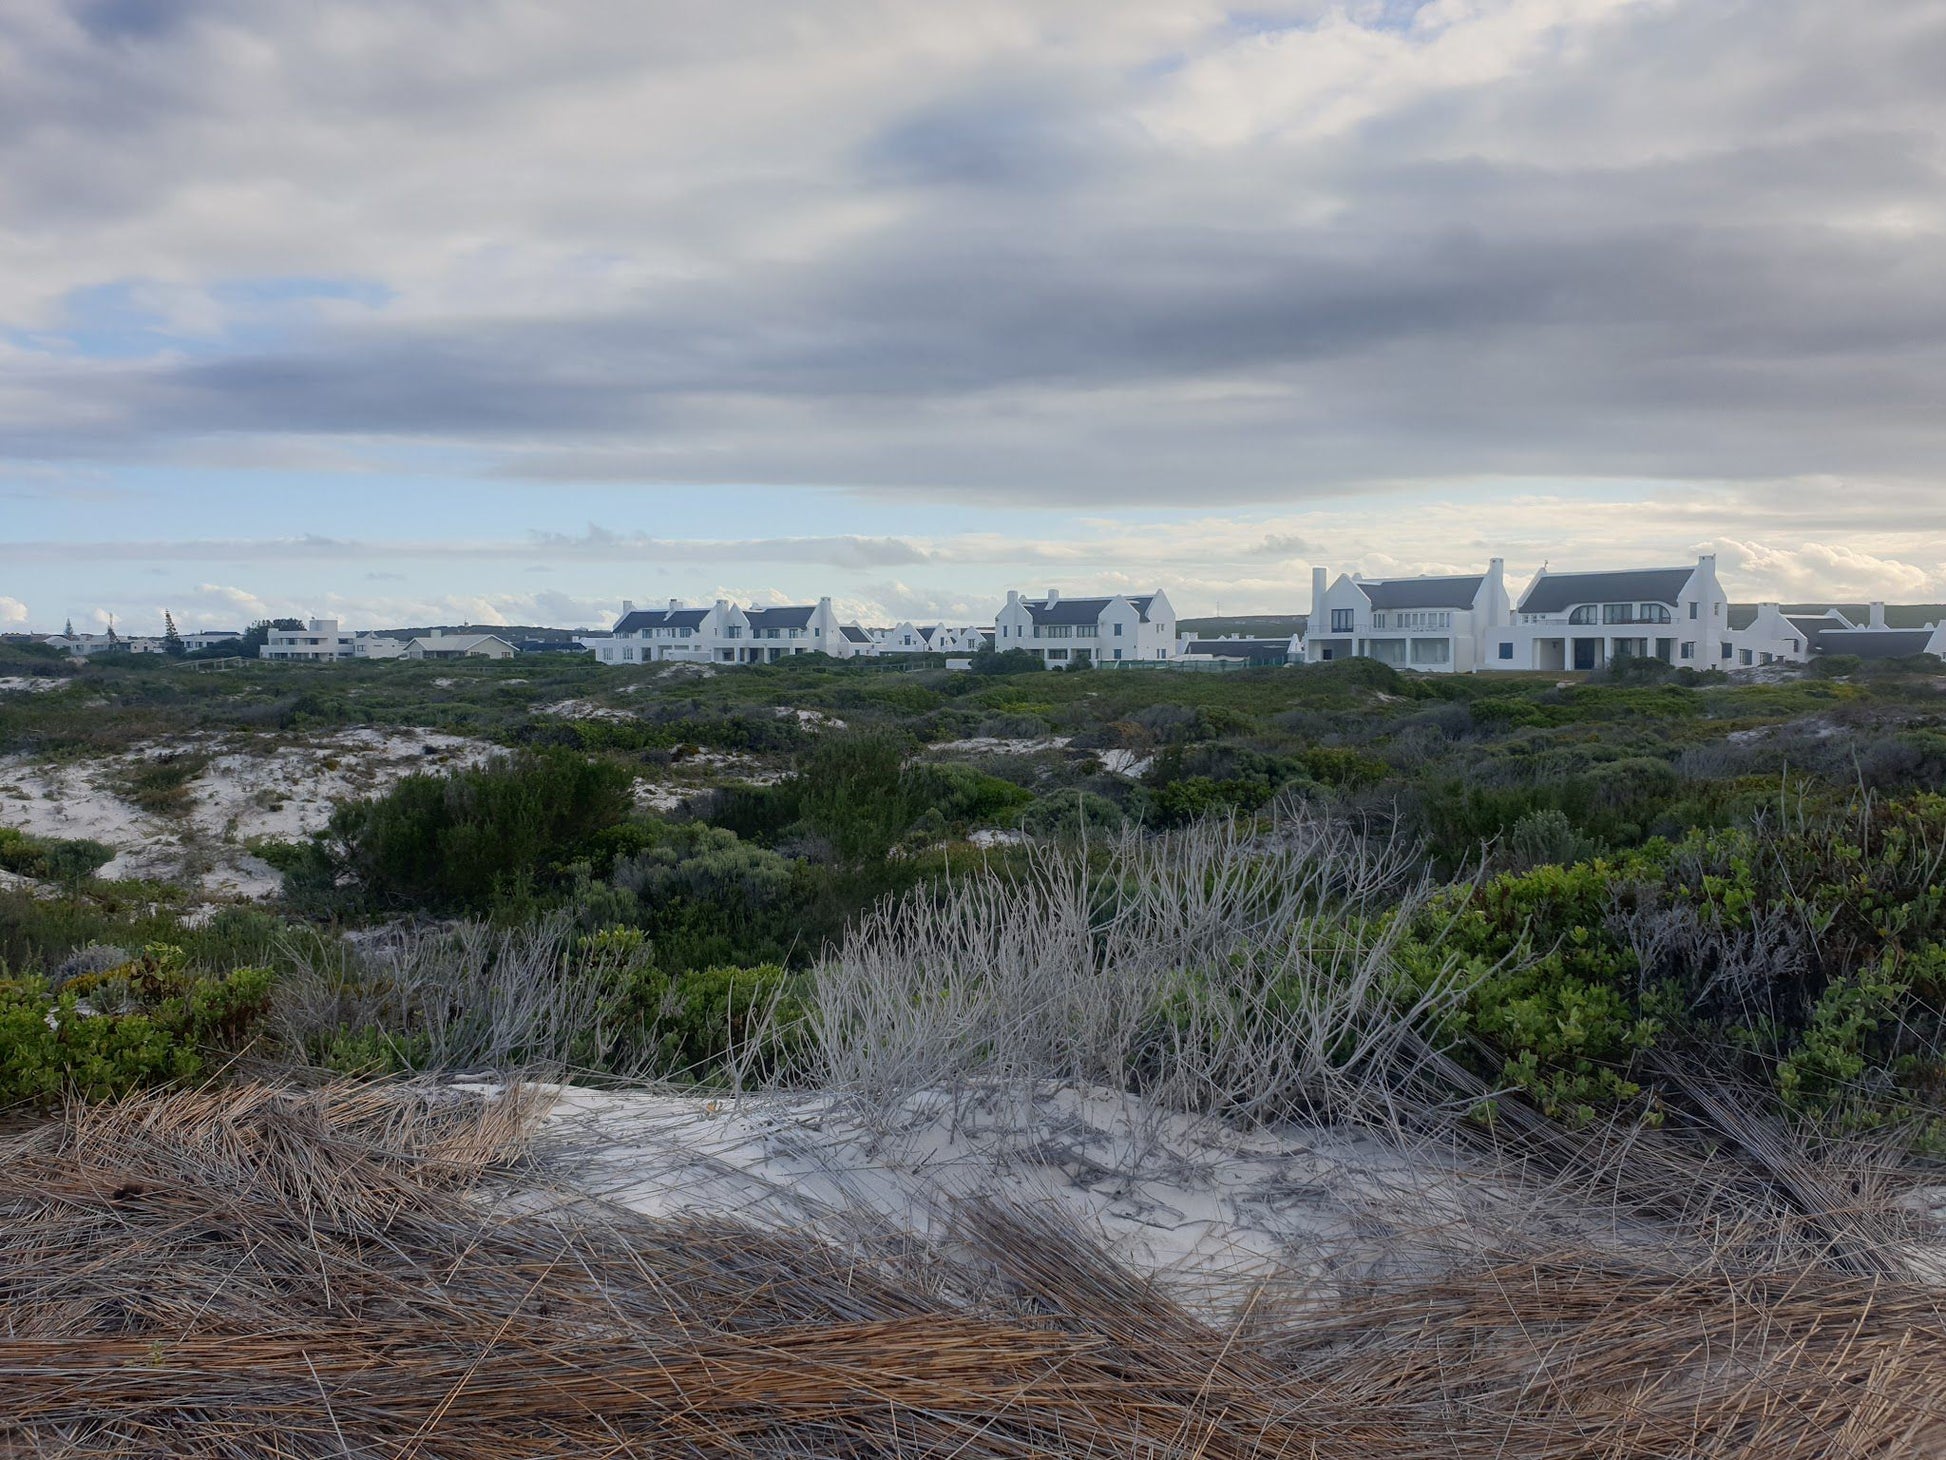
{"x":506,"y":310}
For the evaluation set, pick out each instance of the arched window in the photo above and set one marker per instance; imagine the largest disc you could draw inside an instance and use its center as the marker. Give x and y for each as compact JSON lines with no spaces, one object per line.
{"x":1584,"y":614}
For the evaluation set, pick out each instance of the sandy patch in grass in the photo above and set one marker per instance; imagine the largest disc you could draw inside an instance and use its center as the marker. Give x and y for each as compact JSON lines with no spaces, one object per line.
{"x":1169,"y":1194}
{"x":279,"y":788}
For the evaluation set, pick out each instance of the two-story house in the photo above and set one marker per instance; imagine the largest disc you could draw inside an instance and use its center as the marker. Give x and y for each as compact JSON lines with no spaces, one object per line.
{"x":1440,"y":624}
{"x":1064,"y":632}
{"x":1587,"y":621}
{"x":779,"y":633}
{"x":320,"y":640}
{"x":715,"y":635}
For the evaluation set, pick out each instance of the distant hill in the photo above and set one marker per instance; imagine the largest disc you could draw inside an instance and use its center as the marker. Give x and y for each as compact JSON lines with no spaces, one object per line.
{"x":509,"y":632}
{"x":1250,"y":626}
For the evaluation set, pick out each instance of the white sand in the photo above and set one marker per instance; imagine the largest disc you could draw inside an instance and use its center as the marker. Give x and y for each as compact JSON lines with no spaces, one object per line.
{"x":1185,"y":1199}
{"x":30,"y":684}
{"x":1000,"y":745}
{"x":280,"y":787}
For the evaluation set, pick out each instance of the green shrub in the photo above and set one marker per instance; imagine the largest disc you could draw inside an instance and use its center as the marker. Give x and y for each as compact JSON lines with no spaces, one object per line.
{"x":147,"y":1022}
{"x":476,"y":838}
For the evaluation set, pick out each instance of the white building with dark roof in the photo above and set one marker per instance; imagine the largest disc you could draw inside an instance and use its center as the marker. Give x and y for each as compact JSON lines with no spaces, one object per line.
{"x":1876,"y":639}
{"x":1441,"y":625}
{"x":1236,"y":651}
{"x":1587,"y":621}
{"x":1064,"y":632}
{"x":714,"y":635}
{"x":780,"y":633}
{"x":1773,"y":636}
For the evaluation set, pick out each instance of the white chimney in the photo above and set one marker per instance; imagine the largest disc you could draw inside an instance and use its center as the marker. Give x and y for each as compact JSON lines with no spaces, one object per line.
{"x":628,"y":605}
{"x":1013,"y":597}
{"x":1053,"y":597}
{"x":674,"y":604}
{"x":1878,"y":615}
{"x":1317,"y":596}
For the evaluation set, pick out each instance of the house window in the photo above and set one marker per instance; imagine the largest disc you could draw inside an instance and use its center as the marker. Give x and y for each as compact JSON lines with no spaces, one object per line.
{"x":1692,"y":609}
{"x":1689,"y":648}
{"x":1432,"y":651}
{"x":1118,"y":634}
{"x":1378,"y":621}
{"x":1506,"y":650}
{"x":1057,"y":653}
{"x":1341,"y":620}
{"x":1744,"y":658}
{"x":1726,"y":651}
{"x":1118,"y":652}
{"x":1584,"y":614}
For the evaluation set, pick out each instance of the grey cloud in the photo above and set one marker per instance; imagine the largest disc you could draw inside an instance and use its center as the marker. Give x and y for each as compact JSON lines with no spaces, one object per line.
{"x":1675,"y":252}
{"x":595,"y":545}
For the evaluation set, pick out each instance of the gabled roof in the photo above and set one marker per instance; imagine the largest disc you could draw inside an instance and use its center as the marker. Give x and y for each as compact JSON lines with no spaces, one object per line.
{"x":1557,"y":592}
{"x":458,"y":643}
{"x":1875,"y":643}
{"x":854,"y":635}
{"x":661,"y":618}
{"x":1458,"y":591}
{"x":1081,"y":610}
{"x":794,"y":617}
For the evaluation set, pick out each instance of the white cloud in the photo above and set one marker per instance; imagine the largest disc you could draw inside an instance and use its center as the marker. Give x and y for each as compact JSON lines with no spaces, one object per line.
{"x":12,"y":611}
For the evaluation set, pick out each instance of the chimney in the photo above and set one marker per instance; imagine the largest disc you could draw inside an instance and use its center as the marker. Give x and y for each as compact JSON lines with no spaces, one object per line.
{"x":1878,"y":615}
{"x":628,"y":605}
{"x":1053,"y":597}
{"x":674,"y":604}
{"x":1317,"y":593}
{"x":1013,"y":597}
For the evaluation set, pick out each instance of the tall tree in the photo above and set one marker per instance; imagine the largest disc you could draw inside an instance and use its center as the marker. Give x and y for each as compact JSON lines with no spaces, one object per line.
{"x":68,"y":632}
{"x":172,"y":643}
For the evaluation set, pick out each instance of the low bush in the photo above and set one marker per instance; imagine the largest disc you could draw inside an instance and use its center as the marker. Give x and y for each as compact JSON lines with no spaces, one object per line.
{"x":147,"y":1022}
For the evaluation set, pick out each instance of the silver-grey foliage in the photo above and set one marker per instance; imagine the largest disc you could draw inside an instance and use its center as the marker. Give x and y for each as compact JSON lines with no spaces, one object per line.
{"x":1218,"y":969}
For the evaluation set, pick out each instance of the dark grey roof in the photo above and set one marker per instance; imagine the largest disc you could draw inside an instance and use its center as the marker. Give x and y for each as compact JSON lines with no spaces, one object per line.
{"x":796,"y":617}
{"x":661,"y":618}
{"x":1238,"y":648}
{"x":854,"y":635}
{"x":1874,"y":643}
{"x":1081,"y":610}
{"x":1454,"y":592}
{"x":1742,"y":615}
{"x":1813,"y":629}
{"x":1558,"y":592}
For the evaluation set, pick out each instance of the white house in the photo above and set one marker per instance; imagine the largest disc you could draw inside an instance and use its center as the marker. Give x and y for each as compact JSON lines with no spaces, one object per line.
{"x":1437,"y":624}
{"x":210,"y":639}
{"x":1233,"y":650}
{"x":780,"y":633}
{"x":1588,"y":620}
{"x":1775,"y":637}
{"x":679,"y":634}
{"x":441,"y":645}
{"x":911,"y":638}
{"x":1875,"y":639}
{"x":859,"y":642}
{"x":320,"y":641}
{"x":1065,"y":632}
{"x":378,"y":646}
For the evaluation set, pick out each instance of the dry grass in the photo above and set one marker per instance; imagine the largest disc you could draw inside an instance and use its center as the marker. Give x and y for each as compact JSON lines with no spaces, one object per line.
{"x":365,"y":1271}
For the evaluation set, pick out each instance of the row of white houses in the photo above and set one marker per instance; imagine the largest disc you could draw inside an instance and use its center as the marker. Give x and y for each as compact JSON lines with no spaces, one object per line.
{"x":727,"y":633}
{"x":1452,"y":624}
{"x":1445,"y":624}
{"x":1581,"y":621}
{"x":322,"y":641}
